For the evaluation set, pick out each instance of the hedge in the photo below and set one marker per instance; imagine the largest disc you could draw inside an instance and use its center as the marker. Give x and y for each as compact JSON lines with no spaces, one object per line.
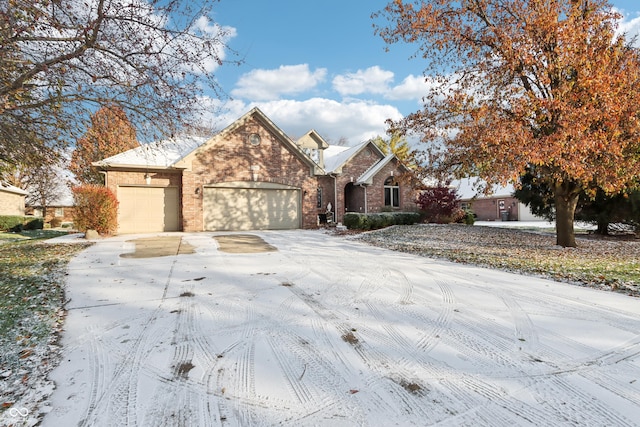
{"x":96,"y":208}
{"x":19,"y":223}
{"x":373,"y":221}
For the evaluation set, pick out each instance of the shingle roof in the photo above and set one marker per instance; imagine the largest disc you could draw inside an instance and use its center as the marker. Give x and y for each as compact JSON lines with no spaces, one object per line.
{"x":336,"y":156}
{"x":156,"y":154}
{"x":12,"y":189}
{"x":367,"y":177}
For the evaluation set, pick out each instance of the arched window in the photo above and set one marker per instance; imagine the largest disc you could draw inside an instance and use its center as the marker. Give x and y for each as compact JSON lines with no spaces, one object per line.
{"x":391,"y":193}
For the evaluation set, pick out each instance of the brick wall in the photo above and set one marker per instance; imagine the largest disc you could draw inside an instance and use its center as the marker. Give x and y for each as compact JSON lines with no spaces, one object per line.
{"x":491,"y":208}
{"x":233,"y":158}
{"x":116,"y":179}
{"x":62,"y":213}
{"x":359,"y":164}
{"x":11,"y":203}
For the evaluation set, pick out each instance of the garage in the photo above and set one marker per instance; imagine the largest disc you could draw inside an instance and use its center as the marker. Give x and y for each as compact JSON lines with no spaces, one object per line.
{"x":251,"y":206}
{"x":148,"y":209}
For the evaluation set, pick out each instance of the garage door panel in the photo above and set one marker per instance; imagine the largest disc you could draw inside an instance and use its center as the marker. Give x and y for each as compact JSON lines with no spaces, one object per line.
{"x":251,"y":209}
{"x":148,"y":209}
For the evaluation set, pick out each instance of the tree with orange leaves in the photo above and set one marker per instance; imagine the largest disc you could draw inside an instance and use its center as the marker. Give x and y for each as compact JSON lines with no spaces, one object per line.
{"x":110,"y":133}
{"x":521,"y":85}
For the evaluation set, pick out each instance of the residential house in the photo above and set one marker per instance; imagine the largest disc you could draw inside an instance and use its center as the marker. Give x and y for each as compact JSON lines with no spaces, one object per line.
{"x":251,"y":176}
{"x":12,"y":200}
{"x":499,"y":205}
{"x":60,"y":210}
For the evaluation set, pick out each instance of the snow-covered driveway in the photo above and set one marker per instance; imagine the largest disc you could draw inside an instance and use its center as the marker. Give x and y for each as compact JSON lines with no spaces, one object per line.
{"x":329,"y":331}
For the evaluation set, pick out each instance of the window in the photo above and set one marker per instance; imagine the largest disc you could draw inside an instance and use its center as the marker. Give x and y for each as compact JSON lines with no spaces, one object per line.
{"x":59,"y":212}
{"x":391,"y":193}
{"x":319,"y":206}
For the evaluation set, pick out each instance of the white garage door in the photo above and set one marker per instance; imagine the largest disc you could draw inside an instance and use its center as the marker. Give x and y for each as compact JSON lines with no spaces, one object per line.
{"x":148,"y":209}
{"x":264,"y":206}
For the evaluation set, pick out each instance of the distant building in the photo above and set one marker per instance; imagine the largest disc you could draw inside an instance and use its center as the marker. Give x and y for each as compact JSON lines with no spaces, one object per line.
{"x":500,"y":205}
{"x":61,"y":209}
{"x":12,"y":200}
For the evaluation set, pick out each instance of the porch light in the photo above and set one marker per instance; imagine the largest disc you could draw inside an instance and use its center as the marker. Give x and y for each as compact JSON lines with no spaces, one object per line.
{"x":147,"y":178}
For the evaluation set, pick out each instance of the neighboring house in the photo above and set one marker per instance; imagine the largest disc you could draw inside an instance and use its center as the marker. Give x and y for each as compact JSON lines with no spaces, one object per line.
{"x":62,"y":209}
{"x":12,"y":200}
{"x":250,"y":176}
{"x":500,"y":205}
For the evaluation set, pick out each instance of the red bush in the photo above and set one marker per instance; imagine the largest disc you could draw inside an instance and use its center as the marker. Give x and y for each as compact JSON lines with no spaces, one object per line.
{"x":96,"y":208}
{"x":440,"y":204}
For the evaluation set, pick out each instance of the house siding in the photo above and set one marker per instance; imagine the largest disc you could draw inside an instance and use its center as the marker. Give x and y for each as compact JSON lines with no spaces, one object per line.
{"x":11,"y":203}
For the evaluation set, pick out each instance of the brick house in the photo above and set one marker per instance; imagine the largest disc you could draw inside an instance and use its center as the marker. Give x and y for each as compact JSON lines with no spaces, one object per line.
{"x":11,"y":200}
{"x":500,"y":205}
{"x":249,"y":176}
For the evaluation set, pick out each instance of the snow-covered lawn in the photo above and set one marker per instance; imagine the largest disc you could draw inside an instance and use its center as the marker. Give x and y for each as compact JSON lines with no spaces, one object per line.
{"x":329,"y":331}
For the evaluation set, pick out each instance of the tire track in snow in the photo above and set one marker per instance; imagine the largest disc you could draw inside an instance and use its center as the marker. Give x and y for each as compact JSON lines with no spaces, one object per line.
{"x":378,"y":363}
{"x":117,"y":398}
{"x":117,"y":401}
{"x":191,"y":348}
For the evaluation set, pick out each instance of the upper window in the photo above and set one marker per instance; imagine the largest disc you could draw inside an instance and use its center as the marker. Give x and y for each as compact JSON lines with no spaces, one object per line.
{"x":391,"y":193}
{"x":59,"y":212}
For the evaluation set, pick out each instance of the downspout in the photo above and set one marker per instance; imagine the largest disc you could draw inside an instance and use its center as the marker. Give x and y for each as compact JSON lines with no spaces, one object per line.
{"x":335,"y":197}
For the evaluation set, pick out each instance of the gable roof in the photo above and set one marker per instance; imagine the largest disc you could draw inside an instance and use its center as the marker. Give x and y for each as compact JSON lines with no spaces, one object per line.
{"x":259,"y":116}
{"x":12,"y":189}
{"x":470,"y":188}
{"x":336,"y":157}
{"x":161,"y":154}
{"x":179,"y":152}
{"x":367,"y":177}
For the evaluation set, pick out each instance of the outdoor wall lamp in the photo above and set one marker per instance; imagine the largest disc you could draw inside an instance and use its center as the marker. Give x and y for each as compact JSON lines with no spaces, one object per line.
{"x":197,"y":190}
{"x":147,"y":178}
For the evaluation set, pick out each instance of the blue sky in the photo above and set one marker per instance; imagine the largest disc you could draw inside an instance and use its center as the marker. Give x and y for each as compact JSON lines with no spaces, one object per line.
{"x":318,"y":65}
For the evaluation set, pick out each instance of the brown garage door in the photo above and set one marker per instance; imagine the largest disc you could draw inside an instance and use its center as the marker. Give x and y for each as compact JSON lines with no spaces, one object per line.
{"x":148,"y":209}
{"x":261,"y":207}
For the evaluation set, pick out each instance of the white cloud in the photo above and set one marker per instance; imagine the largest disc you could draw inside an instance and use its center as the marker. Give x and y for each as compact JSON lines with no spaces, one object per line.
{"x":267,"y":85}
{"x":377,"y":81}
{"x":372,"y":80}
{"x":411,"y":88}
{"x":630,"y":26}
{"x":220,"y":33}
{"x":355,"y":121}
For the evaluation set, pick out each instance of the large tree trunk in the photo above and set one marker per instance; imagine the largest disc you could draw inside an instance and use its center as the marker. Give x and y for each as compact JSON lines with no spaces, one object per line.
{"x":566,"y":200}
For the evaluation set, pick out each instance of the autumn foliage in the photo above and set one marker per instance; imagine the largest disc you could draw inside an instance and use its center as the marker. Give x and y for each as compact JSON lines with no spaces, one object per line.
{"x":96,"y":208}
{"x":440,"y":204}
{"x":110,"y":133}
{"x":526,"y":85}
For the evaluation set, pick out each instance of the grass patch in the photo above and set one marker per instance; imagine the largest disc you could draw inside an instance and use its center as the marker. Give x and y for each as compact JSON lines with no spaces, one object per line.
{"x":608,"y":263}
{"x":31,"y":313}
{"x":31,"y":235}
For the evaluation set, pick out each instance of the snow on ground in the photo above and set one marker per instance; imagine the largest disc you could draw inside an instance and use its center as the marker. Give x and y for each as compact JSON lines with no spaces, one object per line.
{"x":329,"y":331}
